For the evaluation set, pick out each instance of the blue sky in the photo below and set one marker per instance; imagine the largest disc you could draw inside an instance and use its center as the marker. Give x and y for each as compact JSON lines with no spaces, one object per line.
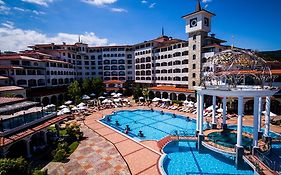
{"x":254,"y":24}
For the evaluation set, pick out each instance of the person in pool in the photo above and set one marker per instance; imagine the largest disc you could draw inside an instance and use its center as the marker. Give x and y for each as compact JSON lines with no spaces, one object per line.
{"x":174,"y":116}
{"x":140,"y":134}
{"x":117,"y":123}
{"x":162,"y":112}
{"x":108,"y":119}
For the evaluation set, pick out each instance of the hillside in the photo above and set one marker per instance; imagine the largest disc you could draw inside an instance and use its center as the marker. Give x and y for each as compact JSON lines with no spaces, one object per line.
{"x":271,"y":55}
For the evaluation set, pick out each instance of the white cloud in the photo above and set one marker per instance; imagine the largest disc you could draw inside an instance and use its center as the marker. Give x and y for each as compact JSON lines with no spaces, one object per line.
{"x":39,"y":2}
{"x":152,"y":5}
{"x":118,"y":10}
{"x":3,"y":8}
{"x":29,"y":11}
{"x":8,"y":24}
{"x":206,"y":1}
{"x":16,"y":39}
{"x":99,"y":2}
{"x":144,"y":1}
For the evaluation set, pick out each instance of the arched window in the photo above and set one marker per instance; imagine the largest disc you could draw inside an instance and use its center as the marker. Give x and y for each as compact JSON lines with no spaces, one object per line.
{"x":176,"y":71}
{"x":164,"y":64}
{"x":184,"y":70}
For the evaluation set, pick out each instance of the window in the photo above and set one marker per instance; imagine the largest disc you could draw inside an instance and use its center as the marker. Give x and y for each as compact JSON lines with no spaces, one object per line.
{"x":194,"y":37}
{"x":193,"y":83}
{"x":176,"y":71}
{"x":185,"y":70}
{"x":184,"y":61}
{"x":194,"y":57}
{"x":184,"y":79}
{"x":193,"y":75}
{"x":194,"y":66}
{"x":194,"y":47}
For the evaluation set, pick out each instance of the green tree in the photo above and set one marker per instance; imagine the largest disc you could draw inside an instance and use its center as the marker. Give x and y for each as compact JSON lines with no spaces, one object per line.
{"x":74,"y":91}
{"x":145,"y":93}
{"x":98,"y":86}
{"x":86,"y":86}
{"x":137,"y":92}
{"x":13,"y":166}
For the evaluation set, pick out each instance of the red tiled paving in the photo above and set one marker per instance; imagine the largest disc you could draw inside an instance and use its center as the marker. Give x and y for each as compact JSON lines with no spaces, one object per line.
{"x":140,"y":159}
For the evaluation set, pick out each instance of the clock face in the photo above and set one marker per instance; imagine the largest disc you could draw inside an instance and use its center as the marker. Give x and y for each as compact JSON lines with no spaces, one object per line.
{"x":206,"y":21}
{"x":193,"y":22}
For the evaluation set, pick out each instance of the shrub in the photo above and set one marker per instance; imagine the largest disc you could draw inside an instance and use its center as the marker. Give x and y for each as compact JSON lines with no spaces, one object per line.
{"x":39,"y":172}
{"x":60,"y":155}
{"x":73,"y":146}
{"x":13,"y":166}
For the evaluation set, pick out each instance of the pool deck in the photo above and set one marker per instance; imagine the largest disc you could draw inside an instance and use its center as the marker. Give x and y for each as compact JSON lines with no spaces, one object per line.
{"x":140,"y":157}
{"x":107,"y":151}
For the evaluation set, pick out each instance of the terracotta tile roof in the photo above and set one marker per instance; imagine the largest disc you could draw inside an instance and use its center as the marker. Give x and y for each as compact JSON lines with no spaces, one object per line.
{"x":114,"y":82}
{"x":55,"y":61}
{"x":17,"y":57}
{"x":20,"y":135}
{"x":114,"y":89}
{"x":273,"y":72}
{"x":171,"y":88}
{"x":3,"y":78}
{"x":10,"y":67}
{"x":10,"y":88}
{"x":7,"y":100}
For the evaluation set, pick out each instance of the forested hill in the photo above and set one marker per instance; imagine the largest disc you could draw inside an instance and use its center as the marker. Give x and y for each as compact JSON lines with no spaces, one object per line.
{"x":271,"y":55}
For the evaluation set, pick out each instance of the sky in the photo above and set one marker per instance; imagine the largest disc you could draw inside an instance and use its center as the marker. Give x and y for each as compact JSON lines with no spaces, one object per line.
{"x":252,"y":24}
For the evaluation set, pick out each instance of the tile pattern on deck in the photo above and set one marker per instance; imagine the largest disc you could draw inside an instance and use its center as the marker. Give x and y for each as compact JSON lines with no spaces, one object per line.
{"x":139,"y":158}
{"x":95,"y":155}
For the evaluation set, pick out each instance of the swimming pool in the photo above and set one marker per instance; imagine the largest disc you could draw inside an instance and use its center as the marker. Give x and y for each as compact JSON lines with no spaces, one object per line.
{"x":250,"y":129}
{"x":153,"y":124}
{"x":228,"y":139}
{"x":183,"y":158}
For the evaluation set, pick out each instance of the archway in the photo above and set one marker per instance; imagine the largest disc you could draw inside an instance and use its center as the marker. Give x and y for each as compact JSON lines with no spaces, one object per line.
{"x":158,"y":94}
{"x":17,"y":149}
{"x":19,"y":96}
{"x":45,"y":101}
{"x":173,"y":96}
{"x":165,"y":95}
{"x":37,"y":142}
{"x":151,"y":95}
{"x":60,"y":98}
{"x":54,"y":99}
{"x":182,"y":97}
{"x":275,"y":107}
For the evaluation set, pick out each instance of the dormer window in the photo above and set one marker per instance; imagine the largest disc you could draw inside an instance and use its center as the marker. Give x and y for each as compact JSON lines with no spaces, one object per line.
{"x":206,"y":22}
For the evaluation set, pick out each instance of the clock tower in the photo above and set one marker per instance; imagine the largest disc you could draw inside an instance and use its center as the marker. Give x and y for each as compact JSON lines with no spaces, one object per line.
{"x":198,"y":25}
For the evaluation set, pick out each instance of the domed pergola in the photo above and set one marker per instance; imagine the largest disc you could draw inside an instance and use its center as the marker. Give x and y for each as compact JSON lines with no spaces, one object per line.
{"x":237,"y":74}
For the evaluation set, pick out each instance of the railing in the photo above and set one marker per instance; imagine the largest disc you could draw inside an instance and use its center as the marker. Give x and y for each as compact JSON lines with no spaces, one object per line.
{"x":10,"y":131}
{"x":269,"y":163}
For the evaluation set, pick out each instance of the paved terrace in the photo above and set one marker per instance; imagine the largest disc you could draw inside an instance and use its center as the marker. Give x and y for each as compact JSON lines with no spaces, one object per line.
{"x":106,"y":151}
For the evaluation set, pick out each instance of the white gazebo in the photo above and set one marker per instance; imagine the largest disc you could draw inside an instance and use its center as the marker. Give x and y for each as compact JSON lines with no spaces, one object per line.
{"x":230,"y":71}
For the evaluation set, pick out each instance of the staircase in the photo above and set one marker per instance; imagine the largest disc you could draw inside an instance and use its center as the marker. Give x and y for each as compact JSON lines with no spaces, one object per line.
{"x":161,"y":143}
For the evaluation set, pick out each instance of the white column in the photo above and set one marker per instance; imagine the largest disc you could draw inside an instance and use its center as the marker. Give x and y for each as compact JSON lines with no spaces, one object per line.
{"x":256,"y":122}
{"x":239,"y":122}
{"x":259,"y":114}
{"x":214,"y":120}
{"x":161,"y":94}
{"x":198,"y":112}
{"x":267,"y":117}
{"x":201,"y":114}
{"x":224,"y":110}
{"x":177,"y":95}
{"x":45,"y":137}
{"x":28,"y":154}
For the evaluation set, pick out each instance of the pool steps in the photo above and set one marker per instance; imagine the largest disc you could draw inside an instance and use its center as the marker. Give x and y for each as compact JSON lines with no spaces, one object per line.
{"x":163,"y":142}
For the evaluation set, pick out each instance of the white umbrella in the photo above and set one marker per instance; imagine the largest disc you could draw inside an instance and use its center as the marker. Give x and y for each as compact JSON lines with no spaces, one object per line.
{"x":68,"y":102}
{"x":101,"y":97}
{"x":51,"y":106}
{"x":62,"y":107}
{"x":165,"y":100}
{"x":125,"y":100}
{"x":115,"y":96}
{"x":113,"y":93}
{"x":185,"y":102}
{"x":60,"y":113}
{"x":92,"y":94}
{"x":189,"y":105}
{"x":86,"y":97}
{"x":83,"y":108}
{"x":81,"y":104}
{"x":66,"y":110}
{"x":119,"y":94}
{"x":74,"y":108}
{"x":210,"y":108}
{"x":156,"y":99}
{"x":109,"y":101}
{"x":141,"y":98}
{"x":116,"y":100}
{"x":220,"y":110}
{"x":271,"y":114}
{"x":105,"y":101}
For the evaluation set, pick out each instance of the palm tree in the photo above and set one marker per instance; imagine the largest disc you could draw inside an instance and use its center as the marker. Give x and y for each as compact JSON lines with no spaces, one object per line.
{"x":145,"y":93}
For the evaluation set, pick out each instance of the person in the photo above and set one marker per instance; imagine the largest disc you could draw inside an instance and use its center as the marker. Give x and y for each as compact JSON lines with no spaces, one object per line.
{"x":152,"y":110}
{"x":108,"y":119}
{"x":128,"y":128}
{"x":117,"y":123}
{"x":140,"y":134}
{"x":174,"y":116}
{"x":162,"y":112}
{"x":126,"y":131}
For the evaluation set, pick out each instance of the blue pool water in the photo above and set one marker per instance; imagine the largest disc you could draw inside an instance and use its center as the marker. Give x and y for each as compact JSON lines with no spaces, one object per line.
{"x":183,"y":158}
{"x":153,"y":124}
{"x":250,"y":129}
